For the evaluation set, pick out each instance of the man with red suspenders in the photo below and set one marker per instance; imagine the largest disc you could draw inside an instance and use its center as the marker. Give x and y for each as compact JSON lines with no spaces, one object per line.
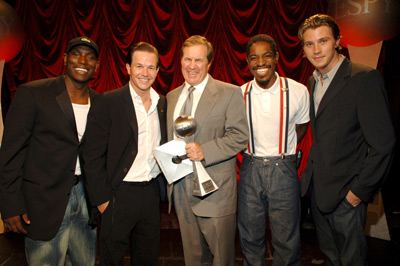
{"x":278,"y":114}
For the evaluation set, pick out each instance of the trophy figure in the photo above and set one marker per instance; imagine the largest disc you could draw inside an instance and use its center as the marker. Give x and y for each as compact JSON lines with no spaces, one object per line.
{"x":185,"y":126}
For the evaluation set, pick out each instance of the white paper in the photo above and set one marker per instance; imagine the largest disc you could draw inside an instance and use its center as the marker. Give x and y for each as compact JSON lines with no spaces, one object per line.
{"x":164,"y":154}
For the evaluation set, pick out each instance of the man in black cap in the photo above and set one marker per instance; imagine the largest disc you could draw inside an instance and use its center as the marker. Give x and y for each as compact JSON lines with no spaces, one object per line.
{"x":41,"y":188}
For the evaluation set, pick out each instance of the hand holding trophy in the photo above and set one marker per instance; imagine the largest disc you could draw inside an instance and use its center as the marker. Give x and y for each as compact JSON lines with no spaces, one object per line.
{"x":185,"y":126}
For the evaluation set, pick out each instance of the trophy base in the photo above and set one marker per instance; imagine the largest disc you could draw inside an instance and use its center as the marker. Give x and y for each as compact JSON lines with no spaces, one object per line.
{"x":207,"y":187}
{"x":202,"y":182}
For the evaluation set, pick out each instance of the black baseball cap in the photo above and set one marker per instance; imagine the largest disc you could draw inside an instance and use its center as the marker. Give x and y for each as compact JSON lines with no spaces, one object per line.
{"x":83,"y":41}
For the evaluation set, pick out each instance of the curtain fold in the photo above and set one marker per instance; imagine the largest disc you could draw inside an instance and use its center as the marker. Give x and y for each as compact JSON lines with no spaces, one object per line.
{"x":116,"y":25}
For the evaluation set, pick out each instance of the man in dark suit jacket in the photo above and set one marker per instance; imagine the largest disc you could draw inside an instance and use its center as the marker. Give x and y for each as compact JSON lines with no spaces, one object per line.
{"x":41,"y":193}
{"x":124,"y":126}
{"x":353,"y":141}
{"x":208,"y":224}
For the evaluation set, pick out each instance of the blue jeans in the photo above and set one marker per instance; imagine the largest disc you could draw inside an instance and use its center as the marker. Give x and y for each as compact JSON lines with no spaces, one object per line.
{"x":75,"y":242}
{"x":269,"y":186}
{"x":341,"y":233}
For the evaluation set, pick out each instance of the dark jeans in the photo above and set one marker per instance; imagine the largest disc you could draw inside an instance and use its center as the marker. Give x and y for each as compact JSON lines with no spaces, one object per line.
{"x":341,"y":233}
{"x":133,"y":217}
{"x":269,"y":187}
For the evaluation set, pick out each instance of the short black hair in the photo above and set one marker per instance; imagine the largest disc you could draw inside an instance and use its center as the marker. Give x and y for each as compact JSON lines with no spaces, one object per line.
{"x":262,"y":38}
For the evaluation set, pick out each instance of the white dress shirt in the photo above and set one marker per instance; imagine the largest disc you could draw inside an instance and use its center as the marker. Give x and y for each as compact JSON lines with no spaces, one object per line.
{"x":144,"y":167}
{"x":198,"y":91}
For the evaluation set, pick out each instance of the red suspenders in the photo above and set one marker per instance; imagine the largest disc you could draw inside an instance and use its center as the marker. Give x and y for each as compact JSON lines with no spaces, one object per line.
{"x":283,"y":114}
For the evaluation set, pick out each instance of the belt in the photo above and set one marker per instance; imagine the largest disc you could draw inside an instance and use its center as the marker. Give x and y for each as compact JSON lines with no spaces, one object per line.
{"x":137,"y":184}
{"x":271,"y":158}
{"x":77,"y":178}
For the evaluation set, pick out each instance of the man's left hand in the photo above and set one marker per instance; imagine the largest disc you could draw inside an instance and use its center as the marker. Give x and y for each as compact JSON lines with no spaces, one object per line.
{"x":194,"y":152}
{"x":352,"y":199}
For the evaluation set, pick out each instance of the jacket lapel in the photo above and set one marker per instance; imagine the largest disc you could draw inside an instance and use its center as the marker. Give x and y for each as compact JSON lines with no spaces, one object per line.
{"x":172,"y":100}
{"x":64,"y":102}
{"x":338,"y":82}
{"x":92,"y":95}
{"x":130,"y":110}
{"x":206,"y":103}
{"x":311,"y":86}
{"x":161,"y":118}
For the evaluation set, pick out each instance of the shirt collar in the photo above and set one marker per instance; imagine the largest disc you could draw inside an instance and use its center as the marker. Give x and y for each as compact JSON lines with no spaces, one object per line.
{"x":331,"y":73}
{"x":138,"y":100}
{"x":274,"y":89}
{"x":199,"y":87}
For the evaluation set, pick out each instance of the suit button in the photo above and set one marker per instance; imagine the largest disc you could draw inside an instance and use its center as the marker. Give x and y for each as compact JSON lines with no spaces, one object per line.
{"x":125,"y":170}
{"x":68,"y":193}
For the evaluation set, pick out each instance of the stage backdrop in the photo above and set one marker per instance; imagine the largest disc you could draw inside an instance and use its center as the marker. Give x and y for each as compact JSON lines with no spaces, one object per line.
{"x":116,"y":25}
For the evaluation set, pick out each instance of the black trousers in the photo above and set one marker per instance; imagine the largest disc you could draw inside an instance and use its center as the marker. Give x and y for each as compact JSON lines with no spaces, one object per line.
{"x":132,"y":218}
{"x":341,"y":233}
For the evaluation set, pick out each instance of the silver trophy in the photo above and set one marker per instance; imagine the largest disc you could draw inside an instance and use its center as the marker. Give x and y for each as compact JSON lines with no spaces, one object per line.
{"x":185,"y":126}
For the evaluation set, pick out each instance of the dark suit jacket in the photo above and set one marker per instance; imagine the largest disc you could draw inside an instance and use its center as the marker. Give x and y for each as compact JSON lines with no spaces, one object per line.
{"x":353,"y":137}
{"x":38,"y":156}
{"x":110,"y":144}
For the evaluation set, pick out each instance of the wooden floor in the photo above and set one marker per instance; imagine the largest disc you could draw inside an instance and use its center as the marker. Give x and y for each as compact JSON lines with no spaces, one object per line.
{"x":380,"y":252}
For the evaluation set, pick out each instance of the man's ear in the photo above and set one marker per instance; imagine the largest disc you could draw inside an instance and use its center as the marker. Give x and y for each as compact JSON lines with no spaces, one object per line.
{"x":337,"y":42}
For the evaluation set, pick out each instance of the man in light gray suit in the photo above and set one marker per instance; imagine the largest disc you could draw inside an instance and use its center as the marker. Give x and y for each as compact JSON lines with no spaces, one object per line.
{"x":208,"y":224}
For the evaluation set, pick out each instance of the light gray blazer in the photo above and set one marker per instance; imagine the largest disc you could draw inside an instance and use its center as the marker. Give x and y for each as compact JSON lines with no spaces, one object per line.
{"x":222,"y":132}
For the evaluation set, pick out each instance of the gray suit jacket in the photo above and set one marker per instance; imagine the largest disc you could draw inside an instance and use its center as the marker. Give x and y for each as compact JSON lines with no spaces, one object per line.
{"x":353,"y":137}
{"x":222,"y":133}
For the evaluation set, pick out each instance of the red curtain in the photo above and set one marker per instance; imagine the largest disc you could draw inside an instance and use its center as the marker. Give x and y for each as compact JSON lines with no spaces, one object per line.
{"x":116,"y":25}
